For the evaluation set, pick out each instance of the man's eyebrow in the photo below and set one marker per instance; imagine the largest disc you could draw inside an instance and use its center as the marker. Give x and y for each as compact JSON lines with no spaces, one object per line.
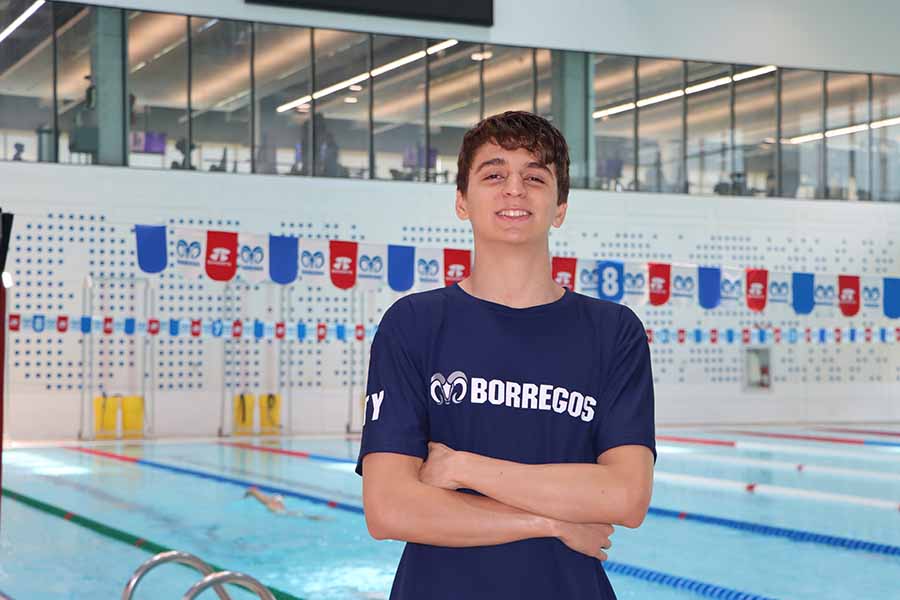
{"x":537,"y":165}
{"x":497,"y":161}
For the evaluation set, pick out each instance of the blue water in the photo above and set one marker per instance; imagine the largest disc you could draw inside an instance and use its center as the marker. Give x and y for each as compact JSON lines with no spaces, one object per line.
{"x":42,"y":556}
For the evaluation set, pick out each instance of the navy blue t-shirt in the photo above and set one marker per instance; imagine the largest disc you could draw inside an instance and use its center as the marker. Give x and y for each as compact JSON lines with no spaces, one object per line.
{"x":560,"y":382}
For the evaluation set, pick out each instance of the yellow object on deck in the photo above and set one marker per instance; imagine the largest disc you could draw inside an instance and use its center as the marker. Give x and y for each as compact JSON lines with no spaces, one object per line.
{"x":133,"y":417}
{"x":106,"y":412}
{"x":243,"y":414}
{"x":270,"y":414}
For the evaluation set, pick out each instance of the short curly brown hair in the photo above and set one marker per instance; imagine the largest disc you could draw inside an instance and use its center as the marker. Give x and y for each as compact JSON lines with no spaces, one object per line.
{"x":512,"y":130}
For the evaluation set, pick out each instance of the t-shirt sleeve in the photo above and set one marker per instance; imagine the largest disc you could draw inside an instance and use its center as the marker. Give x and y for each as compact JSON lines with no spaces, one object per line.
{"x":396,"y":418}
{"x":626,"y":400}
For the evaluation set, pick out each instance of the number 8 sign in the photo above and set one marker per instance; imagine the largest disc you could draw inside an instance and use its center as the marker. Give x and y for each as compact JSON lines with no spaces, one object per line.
{"x":610,"y":286}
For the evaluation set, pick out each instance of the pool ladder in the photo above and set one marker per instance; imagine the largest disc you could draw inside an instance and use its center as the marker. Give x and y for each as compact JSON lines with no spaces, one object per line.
{"x":210,"y":579}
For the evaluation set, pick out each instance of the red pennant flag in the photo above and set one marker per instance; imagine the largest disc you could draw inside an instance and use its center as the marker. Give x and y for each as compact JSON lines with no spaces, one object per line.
{"x":457,"y":264}
{"x":321,"y":331}
{"x":745,"y":336}
{"x":777,"y":334}
{"x":848,"y":294}
{"x":649,"y":336}
{"x":237,"y":328}
{"x":682,"y":335}
{"x":196,"y":327}
{"x":660,"y":275}
{"x":343,"y":263}
{"x":15,"y":322}
{"x":757,"y":286}
{"x":153,"y":326}
{"x":713,"y":336}
{"x":868,"y":334}
{"x":360,"y":332}
{"x":564,"y":269}
{"x":221,"y":255}
{"x":107,"y":325}
{"x":62,"y":323}
{"x":897,"y":334}
{"x":837,"y":335}
{"x":808,"y":334}
{"x":279,"y":330}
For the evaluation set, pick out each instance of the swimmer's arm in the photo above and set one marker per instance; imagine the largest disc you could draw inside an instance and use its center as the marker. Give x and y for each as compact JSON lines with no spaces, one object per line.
{"x":616,"y":490}
{"x":400,"y":507}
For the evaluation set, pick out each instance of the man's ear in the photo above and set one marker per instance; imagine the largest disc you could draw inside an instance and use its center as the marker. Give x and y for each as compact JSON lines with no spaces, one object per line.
{"x":462,"y":207}
{"x":560,"y":215}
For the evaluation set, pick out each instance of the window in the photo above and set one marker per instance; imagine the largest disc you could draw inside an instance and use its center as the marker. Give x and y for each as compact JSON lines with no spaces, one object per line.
{"x":710,"y":158}
{"x":886,"y":137}
{"x":660,"y":125}
{"x":613,"y":118}
{"x":755,"y":148}
{"x":847,"y":136}
{"x":802,"y":133}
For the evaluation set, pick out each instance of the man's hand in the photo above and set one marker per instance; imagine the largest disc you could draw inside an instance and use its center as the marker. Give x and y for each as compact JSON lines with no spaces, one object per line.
{"x":587,"y":538}
{"x":440,"y":467}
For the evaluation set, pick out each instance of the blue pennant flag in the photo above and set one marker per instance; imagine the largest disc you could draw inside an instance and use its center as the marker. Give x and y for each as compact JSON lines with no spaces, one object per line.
{"x":301,"y":331}
{"x":793,"y":335}
{"x":39,"y":323}
{"x":823,"y":335}
{"x":883,"y":334}
{"x":174,"y":326}
{"x":259,"y":329}
{"x":803,"y":285}
{"x":710,"y":292}
{"x":86,"y":324}
{"x":340,"y":331}
{"x":151,"y":247}
{"x":217,"y":328}
{"x":129,"y":326}
{"x":401,"y":267}
{"x":762,"y":336}
{"x":892,"y":297}
{"x":611,"y":285}
{"x":852,"y":334}
{"x":729,"y":335}
{"x":283,"y":258}
{"x":698,"y":336}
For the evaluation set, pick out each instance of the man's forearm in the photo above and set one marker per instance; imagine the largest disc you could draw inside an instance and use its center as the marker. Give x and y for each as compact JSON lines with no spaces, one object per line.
{"x":424,"y":514}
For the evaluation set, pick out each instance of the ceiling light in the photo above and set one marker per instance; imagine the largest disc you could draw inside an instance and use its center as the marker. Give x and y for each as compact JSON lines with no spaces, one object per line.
{"x":847,"y":130}
{"x":351,"y":99}
{"x":613,"y":111}
{"x":21,"y":19}
{"x":802,"y":139}
{"x":885,"y":123}
{"x":755,"y":72}
{"x":660,"y":98}
{"x":700,"y":87}
{"x":355,"y":88}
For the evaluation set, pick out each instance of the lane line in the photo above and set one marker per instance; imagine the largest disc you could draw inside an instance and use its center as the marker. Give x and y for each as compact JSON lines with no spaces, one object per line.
{"x":111,"y":532}
{"x":793,"y":534}
{"x":284,"y":452}
{"x":814,"y":438}
{"x":863,"y":431}
{"x":792,"y":449}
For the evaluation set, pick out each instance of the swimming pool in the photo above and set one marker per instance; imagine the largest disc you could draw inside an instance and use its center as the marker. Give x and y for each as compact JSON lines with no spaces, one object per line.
{"x":737,"y":512}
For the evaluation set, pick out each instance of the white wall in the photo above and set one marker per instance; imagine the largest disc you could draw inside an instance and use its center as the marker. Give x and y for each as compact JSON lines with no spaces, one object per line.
{"x":694,"y":383}
{"x":818,"y":34}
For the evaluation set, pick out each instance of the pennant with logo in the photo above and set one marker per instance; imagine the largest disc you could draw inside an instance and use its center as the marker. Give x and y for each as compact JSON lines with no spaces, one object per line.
{"x":824,"y":291}
{"x":757,"y":289}
{"x":401,"y":261}
{"x":283,"y":263}
{"x":429,"y":273}
{"x":563,"y":271}
{"x":189,"y":252}
{"x":151,"y":247}
{"x":38,"y":323}
{"x":871,"y":304}
{"x":221,"y":255}
{"x":611,"y":280}
{"x":371,"y":266}
{"x":891,"y":297}
{"x":252,"y":258}
{"x":848,"y":295}
{"x":62,"y":324}
{"x":314,"y":262}
{"x":780,"y":296}
{"x":588,"y":278}
{"x":342,"y":258}
{"x":457,"y":264}
{"x":803,"y":292}
{"x":635,"y":286}
{"x":683,"y":285}
{"x":660,"y":278}
{"x":732,"y":288}
{"x":710,"y":287}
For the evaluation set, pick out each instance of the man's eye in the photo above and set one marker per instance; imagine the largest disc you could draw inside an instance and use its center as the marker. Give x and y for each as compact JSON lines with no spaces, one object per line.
{"x":536,"y":178}
{"x":490,"y":175}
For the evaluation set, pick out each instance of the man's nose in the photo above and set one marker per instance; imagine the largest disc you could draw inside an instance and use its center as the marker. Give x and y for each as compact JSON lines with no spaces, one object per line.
{"x":514,"y":186}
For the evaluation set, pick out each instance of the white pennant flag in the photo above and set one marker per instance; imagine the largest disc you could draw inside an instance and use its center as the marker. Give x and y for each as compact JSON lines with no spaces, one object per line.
{"x":635,"y":284}
{"x":253,"y":257}
{"x":190,"y":252}
{"x":314,"y":259}
{"x":371,"y":266}
{"x":732,"y":288}
{"x":429,"y":268}
{"x":587,"y":276}
{"x":685,"y":285}
{"x":871,"y":297}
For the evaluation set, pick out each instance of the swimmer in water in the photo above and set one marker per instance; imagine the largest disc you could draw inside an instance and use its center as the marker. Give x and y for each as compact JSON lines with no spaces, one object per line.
{"x":275,"y":504}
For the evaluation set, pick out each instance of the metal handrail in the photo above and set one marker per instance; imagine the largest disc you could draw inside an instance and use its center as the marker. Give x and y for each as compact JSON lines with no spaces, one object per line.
{"x":175,"y":556}
{"x":233,"y":577}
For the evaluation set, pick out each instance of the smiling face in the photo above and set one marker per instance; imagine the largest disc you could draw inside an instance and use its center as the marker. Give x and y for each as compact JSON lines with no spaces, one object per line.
{"x":511,"y":196}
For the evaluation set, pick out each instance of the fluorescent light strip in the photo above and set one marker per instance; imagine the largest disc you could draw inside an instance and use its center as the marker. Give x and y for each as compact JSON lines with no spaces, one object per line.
{"x":847,"y":130}
{"x":693,"y":89}
{"x":884,"y":123}
{"x":802,"y":139}
{"x":367,"y":75}
{"x":22,"y":18}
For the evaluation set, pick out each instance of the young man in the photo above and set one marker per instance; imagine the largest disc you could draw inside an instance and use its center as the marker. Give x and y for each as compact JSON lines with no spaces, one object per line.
{"x":509,"y":420}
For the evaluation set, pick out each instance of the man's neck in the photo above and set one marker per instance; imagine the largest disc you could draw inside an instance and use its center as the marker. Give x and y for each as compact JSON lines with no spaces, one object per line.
{"x":516,"y":276}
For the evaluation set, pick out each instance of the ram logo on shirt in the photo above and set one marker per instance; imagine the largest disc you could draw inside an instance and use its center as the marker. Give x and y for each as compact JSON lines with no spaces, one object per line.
{"x":529,"y":396}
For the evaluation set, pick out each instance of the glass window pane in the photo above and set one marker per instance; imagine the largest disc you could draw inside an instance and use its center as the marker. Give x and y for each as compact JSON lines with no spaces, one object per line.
{"x":283,"y":77}
{"x":157,"y":89}
{"x":802,"y":133}
{"x":220,"y":95}
{"x":848,"y":158}
{"x":342,"y":104}
{"x":26,"y":85}
{"x":544,"y":66}
{"x":710,"y":161}
{"x":886,"y":137}
{"x":454,"y":97}
{"x":76,"y":90}
{"x":613,"y":122}
{"x":508,"y":79}
{"x":660,"y":89}
{"x":399,"y":108}
{"x":755,"y":154}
